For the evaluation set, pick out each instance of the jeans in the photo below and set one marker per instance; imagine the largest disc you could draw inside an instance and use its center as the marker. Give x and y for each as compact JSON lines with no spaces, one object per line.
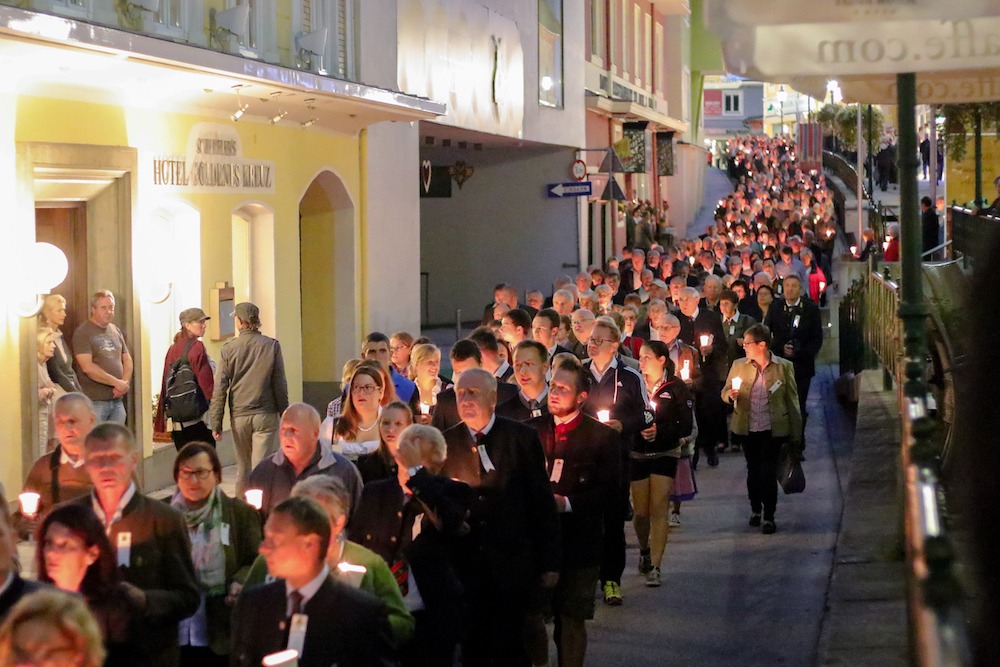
{"x":110,"y":411}
{"x":761,"y":451}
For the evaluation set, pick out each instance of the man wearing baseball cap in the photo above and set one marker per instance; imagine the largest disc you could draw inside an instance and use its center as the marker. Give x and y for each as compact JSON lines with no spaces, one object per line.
{"x":252,"y":375}
{"x":193,"y":324}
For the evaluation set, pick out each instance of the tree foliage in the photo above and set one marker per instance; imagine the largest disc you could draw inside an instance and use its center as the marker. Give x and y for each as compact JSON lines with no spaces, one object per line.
{"x":960,"y":122}
{"x":846,"y":123}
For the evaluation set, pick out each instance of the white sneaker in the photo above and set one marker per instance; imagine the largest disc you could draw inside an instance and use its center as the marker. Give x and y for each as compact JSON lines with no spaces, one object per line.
{"x":675,"y":519}
{"x":653,"y":578}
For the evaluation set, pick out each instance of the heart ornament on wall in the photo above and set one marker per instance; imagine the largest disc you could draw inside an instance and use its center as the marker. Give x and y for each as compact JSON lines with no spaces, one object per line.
{"x":425,"y":175}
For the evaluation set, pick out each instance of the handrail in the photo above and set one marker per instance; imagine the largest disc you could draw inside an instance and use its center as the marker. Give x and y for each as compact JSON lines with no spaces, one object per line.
{"x":936,"y":248}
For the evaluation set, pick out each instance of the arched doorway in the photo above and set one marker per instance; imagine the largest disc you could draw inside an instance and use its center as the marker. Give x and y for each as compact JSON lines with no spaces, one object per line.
{"x":328,"y":287}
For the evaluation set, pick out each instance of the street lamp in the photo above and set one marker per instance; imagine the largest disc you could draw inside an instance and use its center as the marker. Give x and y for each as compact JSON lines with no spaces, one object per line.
{"x":782,"y":96}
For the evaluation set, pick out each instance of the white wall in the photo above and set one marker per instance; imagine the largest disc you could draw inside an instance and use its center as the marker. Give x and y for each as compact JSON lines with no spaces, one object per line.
{"x":500,"y":227}
{"x":686,"y":190}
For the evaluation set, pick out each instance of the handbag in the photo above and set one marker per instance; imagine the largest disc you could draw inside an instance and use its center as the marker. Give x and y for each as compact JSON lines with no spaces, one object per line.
{"x":790,"y":474}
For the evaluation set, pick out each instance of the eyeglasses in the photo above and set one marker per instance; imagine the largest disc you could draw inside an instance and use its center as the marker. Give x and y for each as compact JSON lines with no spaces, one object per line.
{"x":398,"y":348}
{"x":748,"y":343}
{"x":200,"y":475}
{"x":601,"y":341}
{"x":366,"y":389}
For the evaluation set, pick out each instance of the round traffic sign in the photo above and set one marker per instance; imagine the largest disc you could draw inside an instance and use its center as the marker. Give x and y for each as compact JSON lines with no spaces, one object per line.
{"x":579,"y":170}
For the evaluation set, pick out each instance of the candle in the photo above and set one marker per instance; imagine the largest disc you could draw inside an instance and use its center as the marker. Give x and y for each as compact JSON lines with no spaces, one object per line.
{"x":287,"y":658}
{"x":29,"y":504}
{"x":829,"y":233}
{"x":885,"y":246}
{"x":854,"y":250}
{"x":425,"y":409}
{"x":604,"y":416}
{"x":685,"y":373}
{"x":691,"y":259}
{"x":254,"y":498}
{"x":705,"y":340}
{"x":737,"y":383}
{"x":822,"y":286}
{"x":652,"y":404}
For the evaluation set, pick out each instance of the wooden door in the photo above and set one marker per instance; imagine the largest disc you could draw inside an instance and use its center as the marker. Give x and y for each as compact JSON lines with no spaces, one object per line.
{"x":66,"y":228}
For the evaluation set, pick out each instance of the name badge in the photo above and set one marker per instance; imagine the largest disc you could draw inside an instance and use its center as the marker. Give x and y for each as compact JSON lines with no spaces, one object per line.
{"x":485,"y":458}
{"x":124,"y":549}
{"x":732,"y":329}
{"x":536,"y":413}
{"x":795,"y":322}
{"x":225,"y":534}
{"x":774,"y":387}
{"x":557,"y":468}
{"x":297,"y":633}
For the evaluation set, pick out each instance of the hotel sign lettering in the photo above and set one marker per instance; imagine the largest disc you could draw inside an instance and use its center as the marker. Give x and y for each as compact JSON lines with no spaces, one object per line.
{"x":214,"y":163}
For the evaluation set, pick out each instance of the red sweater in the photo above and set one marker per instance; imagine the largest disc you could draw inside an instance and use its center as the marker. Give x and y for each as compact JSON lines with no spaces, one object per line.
{"x":198,"y":359}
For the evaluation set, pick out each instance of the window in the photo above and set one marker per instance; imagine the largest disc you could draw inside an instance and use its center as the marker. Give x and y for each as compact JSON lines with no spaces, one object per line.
{"x":659,"y":62}
{"x":260,"y":40}
{"x":623,"y":28}
{"x":647,"y":35}
{"x":169,"y":13}
{"x":337,"y":16}
{"x":550,"y":53}
{"x":732,"y":103}
{"x":597,"y":28}
{"x":637,"y":44}
{"x":615,"y":34}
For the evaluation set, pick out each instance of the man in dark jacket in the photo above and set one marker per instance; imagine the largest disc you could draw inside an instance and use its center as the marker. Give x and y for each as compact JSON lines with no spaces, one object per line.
{"x":930,"y":227}
{"x":797,"y":335}
{"x":301,"y":455}
{"x":151,"y":539}
{"x":618,"y":398}
{"x":513,"y":545}
{"x":327,"y":622}
{"x":584,"y":466}
{"x":464,"y":355}
{"x":530,"y":368}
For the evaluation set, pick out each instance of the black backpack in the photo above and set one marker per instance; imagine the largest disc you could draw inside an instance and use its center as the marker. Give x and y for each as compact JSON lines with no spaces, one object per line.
{"x":184,"y":401}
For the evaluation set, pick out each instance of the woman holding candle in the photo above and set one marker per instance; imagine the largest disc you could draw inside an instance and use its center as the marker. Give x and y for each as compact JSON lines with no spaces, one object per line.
{"x":655,"y":455}
{"x":425,"y":366}
{"x":225,"y":534}
{"x":817,"y":279}
{"x":381,"y":464}
{"x":75,"y":555}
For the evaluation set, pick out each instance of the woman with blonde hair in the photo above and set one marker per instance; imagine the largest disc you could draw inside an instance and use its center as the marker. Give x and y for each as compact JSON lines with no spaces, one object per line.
{"x":60,"y":365}
{"x":425,"y":366}
{"x":52,"y":628}
{"x":48,"y":391}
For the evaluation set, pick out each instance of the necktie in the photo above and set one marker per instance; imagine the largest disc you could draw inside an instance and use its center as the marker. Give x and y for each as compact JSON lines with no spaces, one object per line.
{"x":296,"y":599}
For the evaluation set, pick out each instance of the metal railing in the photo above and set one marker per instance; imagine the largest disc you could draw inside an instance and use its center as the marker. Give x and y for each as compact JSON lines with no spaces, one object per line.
{"x":871,"y":330}
{"x":845,"y":171}
{"x":971,"y":234}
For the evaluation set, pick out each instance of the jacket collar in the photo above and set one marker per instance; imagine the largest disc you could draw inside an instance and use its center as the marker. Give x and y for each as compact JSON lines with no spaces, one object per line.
{"x":326,"y":457}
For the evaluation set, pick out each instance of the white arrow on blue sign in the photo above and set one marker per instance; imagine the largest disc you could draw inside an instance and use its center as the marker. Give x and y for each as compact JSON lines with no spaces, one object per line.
{"x":570,"y":189}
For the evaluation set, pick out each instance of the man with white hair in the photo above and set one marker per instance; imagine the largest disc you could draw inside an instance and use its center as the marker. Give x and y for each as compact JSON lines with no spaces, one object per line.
{"x":702,"y":329}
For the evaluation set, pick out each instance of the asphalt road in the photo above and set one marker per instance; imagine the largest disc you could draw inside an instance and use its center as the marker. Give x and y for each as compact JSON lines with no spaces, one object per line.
{"x":730,"y":595}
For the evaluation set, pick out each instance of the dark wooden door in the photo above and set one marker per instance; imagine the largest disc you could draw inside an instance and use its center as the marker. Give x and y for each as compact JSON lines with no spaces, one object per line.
{"x":66,"y":228}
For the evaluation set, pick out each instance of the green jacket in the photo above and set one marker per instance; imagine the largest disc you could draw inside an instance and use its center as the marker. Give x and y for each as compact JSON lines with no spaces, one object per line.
{"x":377,"y":580}
{"x":782,"y":397}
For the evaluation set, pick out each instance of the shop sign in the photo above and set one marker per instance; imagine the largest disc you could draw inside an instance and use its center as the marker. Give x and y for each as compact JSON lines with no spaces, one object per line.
{"x":636,"y":148}
{"x":664,"y":153}
{"x":214,"y":163}
{"x":713,"y":102}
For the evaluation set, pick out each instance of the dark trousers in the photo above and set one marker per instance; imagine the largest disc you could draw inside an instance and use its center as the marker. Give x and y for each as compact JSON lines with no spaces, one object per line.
{"x":430,"y":647}
{"x":202,"y":656}
{"x":761,"y":452}
{"x":495,"y":635}
{"x":803,"y":378}
{"x":710,"y":413}
{"x":197,"y":432}
{"x":613,"y":560}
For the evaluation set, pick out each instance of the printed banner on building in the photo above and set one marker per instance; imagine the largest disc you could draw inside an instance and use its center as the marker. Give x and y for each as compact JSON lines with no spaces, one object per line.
{"x":713,"y":102}
{"x":638,"y":158}
{"x":664,"y":153}
{"x":214,"y":163}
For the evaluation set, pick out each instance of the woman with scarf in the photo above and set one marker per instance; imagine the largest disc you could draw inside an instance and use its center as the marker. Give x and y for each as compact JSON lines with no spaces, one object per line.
{"x":225,"y":534}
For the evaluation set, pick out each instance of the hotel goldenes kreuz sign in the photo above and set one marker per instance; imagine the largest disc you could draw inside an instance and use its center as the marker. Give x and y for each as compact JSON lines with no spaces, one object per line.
{"x":214,"y":163}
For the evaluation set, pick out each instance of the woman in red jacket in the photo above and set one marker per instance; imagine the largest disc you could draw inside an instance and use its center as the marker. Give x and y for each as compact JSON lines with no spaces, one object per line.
{"x":892,"y":249}
{"x":193,"y":324}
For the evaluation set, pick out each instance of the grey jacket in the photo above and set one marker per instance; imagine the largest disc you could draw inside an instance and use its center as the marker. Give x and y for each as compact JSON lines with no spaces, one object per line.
{"x":252,"y":374}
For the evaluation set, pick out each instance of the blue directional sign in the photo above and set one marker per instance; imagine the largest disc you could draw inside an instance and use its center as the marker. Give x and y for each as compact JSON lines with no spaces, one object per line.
{"x":569,"y":189}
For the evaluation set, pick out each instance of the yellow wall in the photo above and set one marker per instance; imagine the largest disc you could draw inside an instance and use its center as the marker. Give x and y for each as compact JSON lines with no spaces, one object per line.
{"x":299,"y":155}
{"x":962,"y":175}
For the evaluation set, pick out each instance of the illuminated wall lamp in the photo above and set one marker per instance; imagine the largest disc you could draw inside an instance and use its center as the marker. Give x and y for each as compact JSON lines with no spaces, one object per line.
{"x":308,"y":123}
{"x":45,"y":267}
{"x":278,"y":117}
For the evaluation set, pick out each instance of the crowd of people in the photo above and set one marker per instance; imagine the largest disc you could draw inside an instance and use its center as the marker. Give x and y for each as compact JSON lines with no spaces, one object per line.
{"x":426,"y":519}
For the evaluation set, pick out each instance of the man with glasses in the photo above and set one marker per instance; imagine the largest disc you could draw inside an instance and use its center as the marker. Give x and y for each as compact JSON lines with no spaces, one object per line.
{"x":766,"y":416}
{"x":300,"y":456}
{"x":150,"y":538}
{"x":582,"y":321}
{"x":376,"y":347}
{"x":617,"y":393}
{"x":251,"y":377}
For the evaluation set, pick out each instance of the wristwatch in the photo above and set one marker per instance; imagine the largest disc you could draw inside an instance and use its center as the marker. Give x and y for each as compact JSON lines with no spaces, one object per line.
{"x":414,"y":470}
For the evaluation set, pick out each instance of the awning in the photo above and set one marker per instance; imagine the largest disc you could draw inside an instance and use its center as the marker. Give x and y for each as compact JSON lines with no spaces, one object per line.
{"x":54,"y":56}
{"x":632,"y":111}
{"x":805,"y":44}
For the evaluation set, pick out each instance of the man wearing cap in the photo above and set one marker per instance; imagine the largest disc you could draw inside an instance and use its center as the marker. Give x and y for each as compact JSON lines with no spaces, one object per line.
{"x":193,"y":324}
{"x":251,"y":377}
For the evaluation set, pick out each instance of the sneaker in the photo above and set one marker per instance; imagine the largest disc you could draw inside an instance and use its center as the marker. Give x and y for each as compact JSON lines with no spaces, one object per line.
{"x":769,"y":528}
{"x":612,"y":594}
{"x":645,"y":564}
{"x":755,"y":519}
{"x":675,"y":519}
{"x":653,"y":578}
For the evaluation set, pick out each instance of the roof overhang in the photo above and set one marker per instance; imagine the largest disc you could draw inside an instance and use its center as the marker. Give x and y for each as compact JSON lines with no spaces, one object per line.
{"x":632,"y":111}
{"x":47,"y":55}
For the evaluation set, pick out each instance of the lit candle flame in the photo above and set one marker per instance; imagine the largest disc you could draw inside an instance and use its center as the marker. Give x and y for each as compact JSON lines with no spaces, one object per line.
{"x":254,"y":498}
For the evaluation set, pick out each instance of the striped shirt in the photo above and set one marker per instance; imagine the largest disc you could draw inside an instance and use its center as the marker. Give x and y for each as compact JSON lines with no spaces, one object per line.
{"x":760,"y":412}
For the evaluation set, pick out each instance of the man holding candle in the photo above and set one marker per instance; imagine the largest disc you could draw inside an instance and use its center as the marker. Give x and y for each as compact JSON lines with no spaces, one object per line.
{"x":702,"y":328}
{"x":620,"y":390}
{"x":60,"y":475}
{"x":766,"y":415}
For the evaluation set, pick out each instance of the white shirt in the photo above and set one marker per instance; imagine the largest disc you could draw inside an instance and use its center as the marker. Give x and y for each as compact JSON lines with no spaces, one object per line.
{"x":122,"y":504}
{"x":64,"y":459}
{"x":541,"y":397}
{"x":498,"y":373}
{"x":599,"y":375}
{"x":307,"y":591}
{"x":566,"y":420}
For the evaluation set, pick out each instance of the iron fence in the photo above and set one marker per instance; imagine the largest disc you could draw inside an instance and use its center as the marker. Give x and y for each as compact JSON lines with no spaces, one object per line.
{"x":971,"y":234}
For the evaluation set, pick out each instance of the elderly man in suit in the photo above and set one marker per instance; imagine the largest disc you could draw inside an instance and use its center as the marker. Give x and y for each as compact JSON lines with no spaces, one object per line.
{"x":151,"y":538}
{"x":701,"y":328}
{"x":765,"y":401}
{"x":514,"y":544}
{"x":326,"y":621}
